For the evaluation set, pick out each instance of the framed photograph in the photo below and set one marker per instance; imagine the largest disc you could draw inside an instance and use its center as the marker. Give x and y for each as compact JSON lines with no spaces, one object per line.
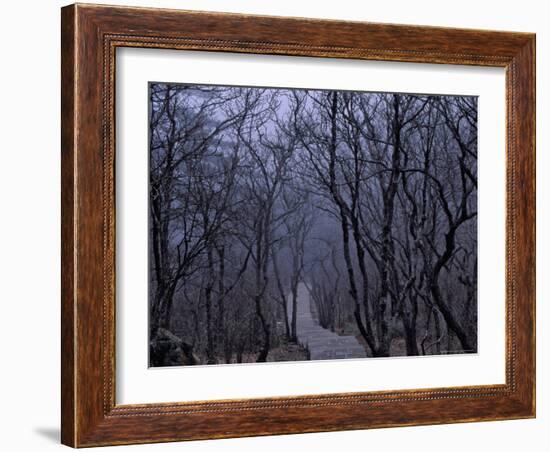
{"x":280,"y":225}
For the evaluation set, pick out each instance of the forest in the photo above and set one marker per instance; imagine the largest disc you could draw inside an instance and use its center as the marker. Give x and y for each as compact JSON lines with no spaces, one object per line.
{"x":271,"y":205}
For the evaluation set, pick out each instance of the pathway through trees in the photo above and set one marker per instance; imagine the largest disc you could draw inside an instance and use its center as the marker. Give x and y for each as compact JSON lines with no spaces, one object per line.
{"x":322,"y":343}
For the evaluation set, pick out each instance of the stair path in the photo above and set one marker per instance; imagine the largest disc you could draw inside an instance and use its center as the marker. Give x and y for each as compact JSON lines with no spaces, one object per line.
{"x":322,"y":343}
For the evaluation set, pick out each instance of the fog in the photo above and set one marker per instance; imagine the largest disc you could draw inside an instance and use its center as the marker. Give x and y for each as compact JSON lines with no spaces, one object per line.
{"x":369,"y":200}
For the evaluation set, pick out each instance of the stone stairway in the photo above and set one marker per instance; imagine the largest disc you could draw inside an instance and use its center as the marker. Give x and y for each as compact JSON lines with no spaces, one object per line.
{"x":322,"y":343}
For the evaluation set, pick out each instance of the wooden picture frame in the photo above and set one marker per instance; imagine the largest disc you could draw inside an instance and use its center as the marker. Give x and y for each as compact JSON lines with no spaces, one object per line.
{"x":90,"y":36}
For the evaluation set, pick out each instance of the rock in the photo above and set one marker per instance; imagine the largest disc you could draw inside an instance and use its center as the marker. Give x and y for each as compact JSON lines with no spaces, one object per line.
{"x":167,"y":349}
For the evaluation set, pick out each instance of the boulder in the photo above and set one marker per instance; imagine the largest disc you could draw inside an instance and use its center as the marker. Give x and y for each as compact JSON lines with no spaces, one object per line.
{"x":167,"y":349}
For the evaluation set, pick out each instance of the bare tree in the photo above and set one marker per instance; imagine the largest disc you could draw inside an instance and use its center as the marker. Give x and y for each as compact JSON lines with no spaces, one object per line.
{"x":367,"y":199}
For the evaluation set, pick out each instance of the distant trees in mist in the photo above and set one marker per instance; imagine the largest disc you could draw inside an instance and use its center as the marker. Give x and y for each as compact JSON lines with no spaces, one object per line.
{"x":370,"y":199}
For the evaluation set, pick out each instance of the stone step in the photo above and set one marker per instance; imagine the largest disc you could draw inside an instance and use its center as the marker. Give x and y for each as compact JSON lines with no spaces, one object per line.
{"x":322,"y":343}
